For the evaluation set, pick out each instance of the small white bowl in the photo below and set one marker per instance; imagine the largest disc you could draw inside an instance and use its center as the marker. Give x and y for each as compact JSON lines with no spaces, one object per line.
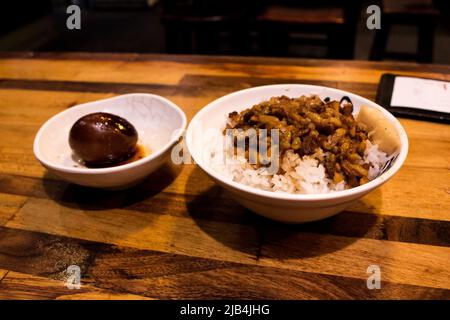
{"x":290,"y":208}
{"x":159,"y":123}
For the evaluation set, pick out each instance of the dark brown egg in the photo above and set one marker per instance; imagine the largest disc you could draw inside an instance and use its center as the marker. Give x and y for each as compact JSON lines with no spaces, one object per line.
{"x":103,"y":139}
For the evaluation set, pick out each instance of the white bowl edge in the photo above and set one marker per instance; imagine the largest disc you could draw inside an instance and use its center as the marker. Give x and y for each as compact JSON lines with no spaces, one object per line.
{"x":153,"y":155}
{"x":309,"y":197}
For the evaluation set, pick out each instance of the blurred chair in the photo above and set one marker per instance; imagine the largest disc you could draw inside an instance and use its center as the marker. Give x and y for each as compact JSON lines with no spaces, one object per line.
{"x":335,"y":21}
{"x":200,"y":26}
{"x":420,"y":13}
{"x":119,"y":4}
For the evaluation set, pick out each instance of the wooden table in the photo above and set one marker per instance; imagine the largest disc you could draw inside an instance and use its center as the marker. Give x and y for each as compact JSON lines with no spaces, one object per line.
{"x":178,"y":235}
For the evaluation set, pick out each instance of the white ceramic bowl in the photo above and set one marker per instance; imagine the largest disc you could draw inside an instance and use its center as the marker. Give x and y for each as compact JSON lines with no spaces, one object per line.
{"x":291,"y":208}
{"x":158,"y":121}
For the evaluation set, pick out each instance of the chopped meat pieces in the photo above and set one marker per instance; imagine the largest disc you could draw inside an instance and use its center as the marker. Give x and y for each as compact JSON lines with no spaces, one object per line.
{"x":309,"y":125}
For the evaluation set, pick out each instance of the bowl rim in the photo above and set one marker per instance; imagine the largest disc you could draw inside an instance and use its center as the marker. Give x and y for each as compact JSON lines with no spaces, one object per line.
{"x":80,"y":170}
{"x":296,"y":197}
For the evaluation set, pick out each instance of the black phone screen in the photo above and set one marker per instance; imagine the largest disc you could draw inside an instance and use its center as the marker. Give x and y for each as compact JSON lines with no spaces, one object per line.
{"x":426,"y":99}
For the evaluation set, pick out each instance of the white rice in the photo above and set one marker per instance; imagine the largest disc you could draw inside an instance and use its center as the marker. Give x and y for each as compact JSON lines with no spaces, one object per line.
{"x":302,"y":175}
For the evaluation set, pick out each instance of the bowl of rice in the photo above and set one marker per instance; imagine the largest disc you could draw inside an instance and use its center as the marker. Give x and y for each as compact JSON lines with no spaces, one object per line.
{"x":296,"y":153}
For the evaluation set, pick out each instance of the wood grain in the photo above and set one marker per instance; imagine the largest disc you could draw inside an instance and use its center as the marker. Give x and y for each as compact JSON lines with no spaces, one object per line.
{"x":170,"y":72}
{"x":145,"y":273}
{"x":389,"y":200}
{"x":213,"y":59}
{"x":9,"y":205}
{"x":177,"y":235}
{"x":3,"y":273}
{"x":399,"y":262}
{"x":363,"y":223}
{"x":15,"y":286}
{"x":240,"y":243}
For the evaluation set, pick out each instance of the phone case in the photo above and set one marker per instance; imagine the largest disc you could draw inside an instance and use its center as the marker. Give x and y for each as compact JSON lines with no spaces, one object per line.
{"x":384,"y":95}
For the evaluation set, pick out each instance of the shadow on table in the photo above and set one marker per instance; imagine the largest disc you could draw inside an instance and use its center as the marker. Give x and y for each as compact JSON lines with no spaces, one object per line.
{"x":50,"y":255}
{"x":272,"y":239}
{"x":86,"y":198}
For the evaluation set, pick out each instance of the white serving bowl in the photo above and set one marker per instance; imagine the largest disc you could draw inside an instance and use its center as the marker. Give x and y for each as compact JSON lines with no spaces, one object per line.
{"x":159,"y":123}
{"x":290,"y":208}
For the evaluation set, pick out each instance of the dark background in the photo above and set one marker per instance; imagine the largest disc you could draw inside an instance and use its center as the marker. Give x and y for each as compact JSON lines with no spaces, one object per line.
{"x":413,"y":30}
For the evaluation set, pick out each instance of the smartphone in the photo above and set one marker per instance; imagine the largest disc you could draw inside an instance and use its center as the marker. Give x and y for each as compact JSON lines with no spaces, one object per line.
{"x":418,"y":98}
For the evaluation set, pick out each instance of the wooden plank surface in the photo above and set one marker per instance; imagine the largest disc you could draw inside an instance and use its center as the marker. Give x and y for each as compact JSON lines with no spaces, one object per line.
{"x":15,"y":286}
{"x":164,"y":240}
